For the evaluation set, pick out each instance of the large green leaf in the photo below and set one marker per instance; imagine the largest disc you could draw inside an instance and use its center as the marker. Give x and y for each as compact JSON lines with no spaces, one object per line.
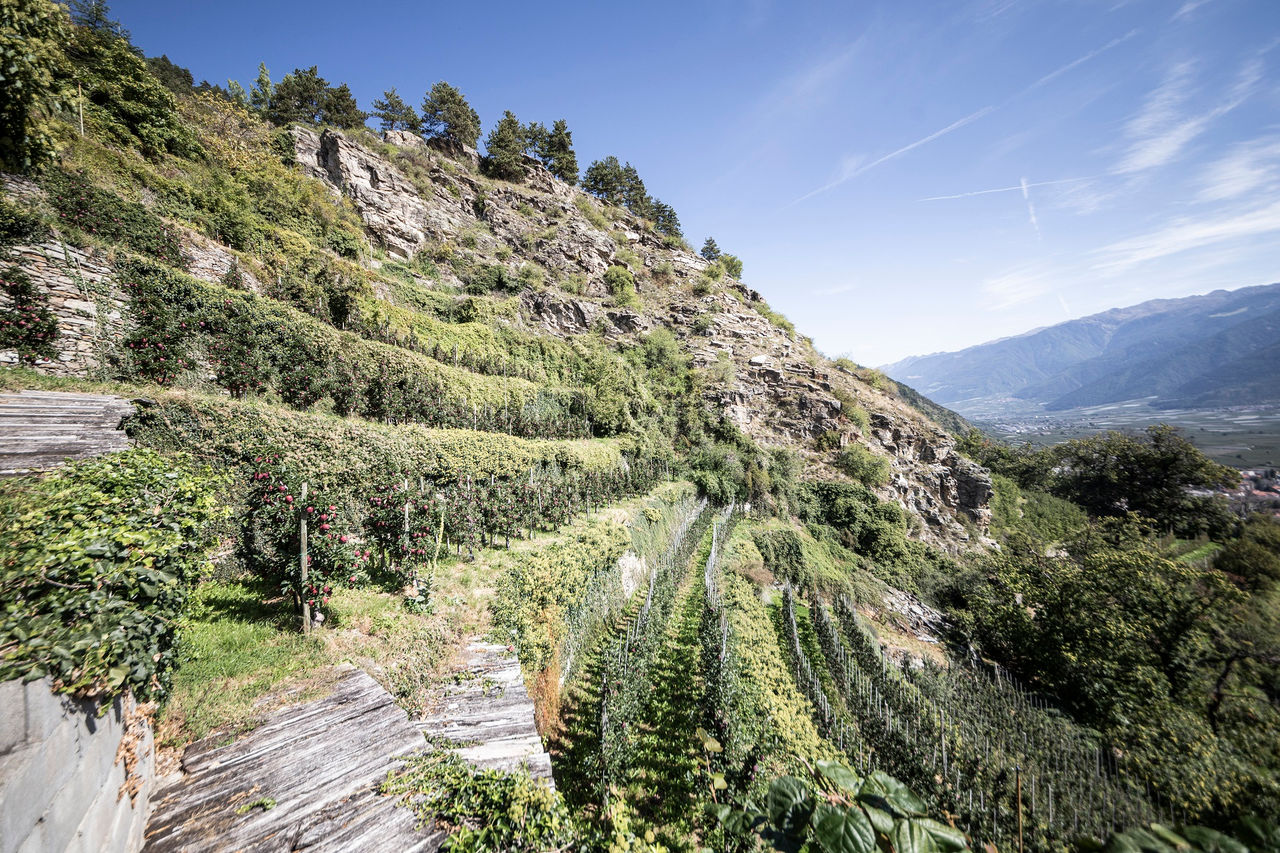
{"x":910,"y":837}
{"x":790,"y":805}
{"x":946,"y":837}
{"x":1212,"y":841}
{"x":840,"y":777}
{"x":843,"y":829}
{"x":883,"y":791}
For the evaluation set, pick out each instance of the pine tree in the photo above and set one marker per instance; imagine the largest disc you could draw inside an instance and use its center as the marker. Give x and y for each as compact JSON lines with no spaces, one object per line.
{"x":665,"y":220}
{"x":710,"y":250}
{"x":338,"y":107}
{"x":263,"y":88}
{"x":634,"y":196}
{"x":535,"y":141}
{"x":298,"y":98}
{"x":446,"y":113}
{"x":395,"y":114}
{"x":96,"y":15}
{"x":559,"y":157}
{"x":175,"y":78}
{"x":504,"y":149}
{"x":604,"y":179}
{"x":237,"y":93}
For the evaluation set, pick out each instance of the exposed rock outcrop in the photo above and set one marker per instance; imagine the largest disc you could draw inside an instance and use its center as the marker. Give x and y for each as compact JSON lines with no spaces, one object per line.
{"x":770,"y":383}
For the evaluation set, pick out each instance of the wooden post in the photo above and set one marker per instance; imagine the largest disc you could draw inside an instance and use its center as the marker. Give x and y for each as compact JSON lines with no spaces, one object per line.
{"x":306,"y":606}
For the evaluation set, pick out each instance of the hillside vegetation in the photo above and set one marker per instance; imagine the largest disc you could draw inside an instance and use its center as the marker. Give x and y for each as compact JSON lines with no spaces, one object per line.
{"x":762,"y":600}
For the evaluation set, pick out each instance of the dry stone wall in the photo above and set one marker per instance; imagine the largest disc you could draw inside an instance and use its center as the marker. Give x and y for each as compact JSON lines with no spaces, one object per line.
{"x":79,"y":287}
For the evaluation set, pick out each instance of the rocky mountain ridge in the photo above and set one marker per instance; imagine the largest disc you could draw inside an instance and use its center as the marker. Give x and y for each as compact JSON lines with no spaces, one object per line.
{"x":1216,"y":349}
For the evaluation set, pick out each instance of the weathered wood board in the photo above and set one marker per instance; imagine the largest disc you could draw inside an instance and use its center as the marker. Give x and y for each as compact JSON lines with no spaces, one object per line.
{"x":318,"y":763}
{"x":42,"y":429}
{"x":489,"y":715}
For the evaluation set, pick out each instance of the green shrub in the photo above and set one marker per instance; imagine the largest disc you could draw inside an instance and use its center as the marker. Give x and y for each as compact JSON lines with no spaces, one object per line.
{"x":714,"y":271}
{"x":95,"y":563}
{"x":123,"y":100}
{"x":702,"y":286}
{"x":27,"y":325}
{"x":19,"y":226}
{"x":592,"y":213}
{"x":860,"y":464}
{"x":621,"y":285}
{"x":829,"y":440}
{"x":104,"y":215}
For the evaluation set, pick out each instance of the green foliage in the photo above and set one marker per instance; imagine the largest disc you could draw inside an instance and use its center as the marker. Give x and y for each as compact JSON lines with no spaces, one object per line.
{"x":394,"y":114}
{"x":762,"y":721}
{"x":96,"y":561}
{"x":257,"y":345}
{"x":851,"y":410}
{"x":555,"y":150}
{"x":1252,"y":835}
{"x":18,"y":225}
{"x":27,"y":325}
{"x":304,"y":96}
{"x":489,"y":810}
{"x":174,"y":77}
{"x":32,"y":35}
{"x":123,"y":101}
{"x":504,"y":149}
{"x":863,"y":466}
{"x":1113,"y":473}
{"x":100,"y":214}
{"x":732,"y":266}
{"x":666,"y":223}
{"x":710,"y":250}
{"x":621,"y":285}
{"x":446,"y":113}
{"x":838,"y":811}
{"x":260,"y":94}
{"x":1131,"y":641}
{"x":1152,"y":474}
{"x":778,"y":320}
{"x":591,"y":212}
{"x":273,"y":536}
{"x":605,"y":180}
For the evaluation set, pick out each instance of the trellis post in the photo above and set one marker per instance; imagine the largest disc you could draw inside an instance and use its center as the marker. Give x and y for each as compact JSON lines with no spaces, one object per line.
{"x":302,"y":536}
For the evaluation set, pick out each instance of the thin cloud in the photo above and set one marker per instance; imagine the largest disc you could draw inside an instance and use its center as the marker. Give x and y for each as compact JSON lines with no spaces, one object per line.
{"x":1251,"y":166}
{"x":1013,"y":189}
{"x":1053,"y":75}
{"x":1187,"y":8}
{"x":1031,"y":208}
{"x":1161,"y":130}
{"x":847,"y":174}
{"x":1006,"y":291}
{"x":1186,"y":235}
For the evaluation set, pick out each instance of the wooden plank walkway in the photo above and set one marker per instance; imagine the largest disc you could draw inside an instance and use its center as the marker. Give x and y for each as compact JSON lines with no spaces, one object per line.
{"x":489,"y":715}
{"x":320,"y":762}
{"x":42,"y":429}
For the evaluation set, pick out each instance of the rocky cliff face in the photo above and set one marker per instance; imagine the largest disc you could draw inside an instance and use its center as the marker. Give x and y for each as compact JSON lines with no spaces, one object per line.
{"x":771,"y":383}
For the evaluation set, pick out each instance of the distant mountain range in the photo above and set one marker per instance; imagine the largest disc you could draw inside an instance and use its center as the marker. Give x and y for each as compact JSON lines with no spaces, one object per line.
{"x":1220,"y":349}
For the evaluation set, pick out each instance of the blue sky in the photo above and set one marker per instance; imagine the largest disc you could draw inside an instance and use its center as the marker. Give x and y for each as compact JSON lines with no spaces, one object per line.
{"x":899,"y":177}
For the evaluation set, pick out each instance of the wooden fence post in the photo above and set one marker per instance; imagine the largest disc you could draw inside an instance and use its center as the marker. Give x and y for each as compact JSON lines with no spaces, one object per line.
{"x":306,"y":605}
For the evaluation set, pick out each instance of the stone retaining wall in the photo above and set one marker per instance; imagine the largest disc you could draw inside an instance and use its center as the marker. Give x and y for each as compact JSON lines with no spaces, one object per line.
{"x":81,"y":291}
{"x":71,"y":780}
